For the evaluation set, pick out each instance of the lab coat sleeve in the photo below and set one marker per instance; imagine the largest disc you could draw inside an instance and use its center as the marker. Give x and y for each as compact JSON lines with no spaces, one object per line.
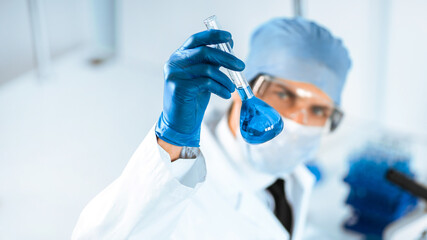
{"x":147,"y":199}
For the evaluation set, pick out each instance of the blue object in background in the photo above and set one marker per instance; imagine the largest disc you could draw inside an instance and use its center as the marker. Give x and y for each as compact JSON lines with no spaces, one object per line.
{"x":374,"y":200}
{"x":315,"y":170}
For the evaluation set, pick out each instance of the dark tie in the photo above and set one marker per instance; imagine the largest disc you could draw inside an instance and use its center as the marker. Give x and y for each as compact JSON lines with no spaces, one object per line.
{"x":282,"y":209}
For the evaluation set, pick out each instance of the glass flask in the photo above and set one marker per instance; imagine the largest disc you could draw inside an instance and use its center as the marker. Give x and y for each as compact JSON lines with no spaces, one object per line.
{"x":259,"y":122}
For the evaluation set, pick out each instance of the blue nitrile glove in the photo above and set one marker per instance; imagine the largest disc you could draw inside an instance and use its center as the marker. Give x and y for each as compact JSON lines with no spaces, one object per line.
{"x":191,"y":75}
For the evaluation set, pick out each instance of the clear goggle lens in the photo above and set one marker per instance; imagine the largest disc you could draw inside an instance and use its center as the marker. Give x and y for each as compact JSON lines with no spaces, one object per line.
{"x":297,"y":103}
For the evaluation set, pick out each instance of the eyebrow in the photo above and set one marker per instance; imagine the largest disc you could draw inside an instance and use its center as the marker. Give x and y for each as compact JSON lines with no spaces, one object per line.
{"x":294,"y":93}
{"x":322,"y":106}
{"x":285,"y":88}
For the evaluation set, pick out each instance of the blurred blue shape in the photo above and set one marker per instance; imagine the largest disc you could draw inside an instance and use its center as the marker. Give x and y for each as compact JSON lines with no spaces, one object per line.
{"x":315,"y":170}
{"x":375,"y":204}
{"x":375,"y":201}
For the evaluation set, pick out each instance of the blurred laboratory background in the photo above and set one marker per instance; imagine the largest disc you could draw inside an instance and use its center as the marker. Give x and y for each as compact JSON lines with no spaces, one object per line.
{"x":81,"y":84}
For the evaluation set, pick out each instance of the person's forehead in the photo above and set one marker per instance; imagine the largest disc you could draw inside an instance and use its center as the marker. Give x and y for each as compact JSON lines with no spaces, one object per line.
{"x":305,"y":88}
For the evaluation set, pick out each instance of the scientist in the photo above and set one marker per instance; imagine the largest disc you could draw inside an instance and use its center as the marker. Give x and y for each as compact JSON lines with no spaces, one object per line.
{"x":228,"y":189}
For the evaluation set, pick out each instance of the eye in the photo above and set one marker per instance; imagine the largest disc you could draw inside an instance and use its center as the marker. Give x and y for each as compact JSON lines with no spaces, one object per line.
{"x":284,"y":95}
{"x":319,"y":111}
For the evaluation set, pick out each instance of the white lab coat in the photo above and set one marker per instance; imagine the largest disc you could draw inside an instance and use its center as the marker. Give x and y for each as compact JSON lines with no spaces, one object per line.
{"x":158,"y":199}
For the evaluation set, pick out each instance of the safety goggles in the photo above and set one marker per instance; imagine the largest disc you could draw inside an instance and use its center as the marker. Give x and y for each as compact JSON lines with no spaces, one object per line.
{"x":297,"y":103}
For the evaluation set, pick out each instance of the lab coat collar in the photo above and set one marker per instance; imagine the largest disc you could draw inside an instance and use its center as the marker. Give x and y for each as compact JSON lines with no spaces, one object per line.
{"x":239,"y":171}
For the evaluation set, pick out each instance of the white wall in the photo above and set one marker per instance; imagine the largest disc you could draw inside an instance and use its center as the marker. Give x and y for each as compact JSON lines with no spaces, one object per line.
{"x":406,"y":90}
{"x":15,"y":39}
{"x":67,"y":24}
{"x":152,"y":30}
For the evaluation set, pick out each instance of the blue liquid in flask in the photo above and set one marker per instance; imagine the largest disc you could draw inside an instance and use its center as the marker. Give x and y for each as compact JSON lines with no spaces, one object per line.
{"x":259,"y":122}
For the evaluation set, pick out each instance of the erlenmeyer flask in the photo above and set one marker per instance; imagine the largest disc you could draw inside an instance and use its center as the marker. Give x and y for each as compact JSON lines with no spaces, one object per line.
{"x":258,"y":121}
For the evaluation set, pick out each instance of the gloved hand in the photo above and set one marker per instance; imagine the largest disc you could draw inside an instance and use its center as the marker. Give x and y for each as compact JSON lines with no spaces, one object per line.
{"x":191,"y":75}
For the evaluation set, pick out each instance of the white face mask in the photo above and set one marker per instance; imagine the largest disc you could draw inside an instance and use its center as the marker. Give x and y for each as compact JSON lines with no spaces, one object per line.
{"x":296,"y":144}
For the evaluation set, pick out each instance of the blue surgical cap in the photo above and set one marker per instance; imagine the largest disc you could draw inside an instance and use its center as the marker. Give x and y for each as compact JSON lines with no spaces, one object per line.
{"x":299,"y":50}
